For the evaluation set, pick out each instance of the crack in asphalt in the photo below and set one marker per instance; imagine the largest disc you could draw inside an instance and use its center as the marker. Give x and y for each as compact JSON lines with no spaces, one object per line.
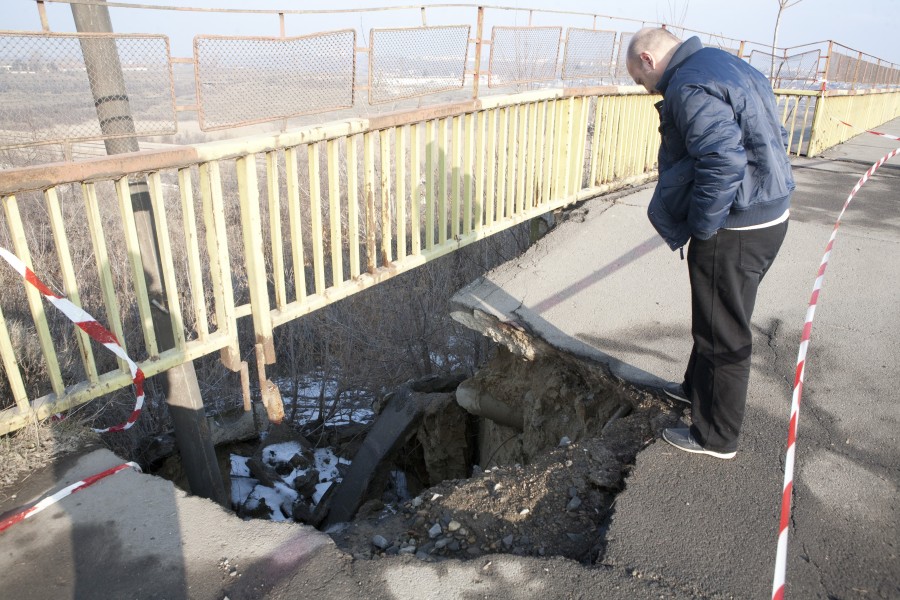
{"x":810,"y":560}
{"x":771,"y":335}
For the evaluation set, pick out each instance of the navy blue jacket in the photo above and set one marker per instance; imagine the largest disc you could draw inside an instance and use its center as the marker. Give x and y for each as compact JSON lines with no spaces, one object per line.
{"x":722,"y":160}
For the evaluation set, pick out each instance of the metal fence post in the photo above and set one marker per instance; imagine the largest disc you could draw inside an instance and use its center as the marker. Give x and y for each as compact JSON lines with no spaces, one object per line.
{"x":182,"y":390}
{"x":856,"y":71}
{"x":42,"y":13}
{"x":826,"y":75}
{"x":479,"y":31}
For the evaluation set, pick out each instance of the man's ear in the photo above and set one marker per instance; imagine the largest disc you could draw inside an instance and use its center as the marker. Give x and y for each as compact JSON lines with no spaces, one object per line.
{"x":647,"y":58}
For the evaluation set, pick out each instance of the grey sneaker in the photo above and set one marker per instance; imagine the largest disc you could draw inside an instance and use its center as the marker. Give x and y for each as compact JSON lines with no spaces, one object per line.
{"x":676,"y":392}
{"x":683,"y":440}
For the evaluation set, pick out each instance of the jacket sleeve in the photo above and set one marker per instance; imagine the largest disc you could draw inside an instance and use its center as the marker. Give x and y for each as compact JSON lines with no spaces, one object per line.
{"x":713,"y":138}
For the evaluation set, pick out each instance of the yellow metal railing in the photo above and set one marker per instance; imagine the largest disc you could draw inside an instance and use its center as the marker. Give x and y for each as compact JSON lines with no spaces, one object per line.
{"x":813,"y":119}
{"x":798,"y":110}
{"x":861,"y":109}
{"x":291,"y":223}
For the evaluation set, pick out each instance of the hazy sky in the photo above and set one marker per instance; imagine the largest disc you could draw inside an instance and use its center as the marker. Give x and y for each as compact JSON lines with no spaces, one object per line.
{"x":867,"y":25}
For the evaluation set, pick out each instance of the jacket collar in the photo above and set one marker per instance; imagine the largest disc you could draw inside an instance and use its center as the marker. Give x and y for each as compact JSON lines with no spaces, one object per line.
{"x":686,"y":49}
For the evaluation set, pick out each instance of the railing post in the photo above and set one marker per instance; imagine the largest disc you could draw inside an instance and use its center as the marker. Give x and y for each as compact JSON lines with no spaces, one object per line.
{"x":182,"y":390}
{"x":826,"y":74}
{"x":816,"y":132}
{"x":42,"y":12}
{"x":479,"y":31}
{"x":856,"y":71}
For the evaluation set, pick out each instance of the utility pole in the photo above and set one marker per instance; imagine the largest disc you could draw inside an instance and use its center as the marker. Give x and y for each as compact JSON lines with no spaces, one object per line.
{"x":107,"y":82}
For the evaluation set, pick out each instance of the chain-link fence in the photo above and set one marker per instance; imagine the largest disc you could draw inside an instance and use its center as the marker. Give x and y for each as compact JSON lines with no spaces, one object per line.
{"x":410,"y":62}
{"x":788,"y":71}
{"x":621,"y":68}
{"x":51,"y":92}
{"x":523,"y":55}
{"x":854,"y":70}
{"x":590,"y":54}
{"x":245,"y":80}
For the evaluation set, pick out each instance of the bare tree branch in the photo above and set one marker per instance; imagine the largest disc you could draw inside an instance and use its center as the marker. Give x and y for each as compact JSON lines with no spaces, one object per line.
{"x":782,"y":6}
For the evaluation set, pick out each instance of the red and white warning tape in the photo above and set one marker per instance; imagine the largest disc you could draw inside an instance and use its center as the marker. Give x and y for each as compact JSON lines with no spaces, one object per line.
{"x":872,"y":131}
{"x":90,"y":326}
{"x":66,"y":491}
{"x":781,"y":555}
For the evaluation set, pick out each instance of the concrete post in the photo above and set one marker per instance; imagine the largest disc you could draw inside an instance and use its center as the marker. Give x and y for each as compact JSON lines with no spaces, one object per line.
{"x":182,"y":390}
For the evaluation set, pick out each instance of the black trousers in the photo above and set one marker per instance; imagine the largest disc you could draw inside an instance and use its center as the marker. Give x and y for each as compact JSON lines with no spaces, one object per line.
{"x":725,"y":273}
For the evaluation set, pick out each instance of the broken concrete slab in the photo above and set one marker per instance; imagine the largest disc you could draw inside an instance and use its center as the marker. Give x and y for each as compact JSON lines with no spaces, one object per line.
{"x":238,"y":425}
{"x":394,"y":427}
{"x":485,"y":306}
{"x":424,"y":408}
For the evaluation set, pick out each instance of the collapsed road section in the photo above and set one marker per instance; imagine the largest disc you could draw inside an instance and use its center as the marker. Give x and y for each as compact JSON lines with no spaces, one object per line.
{"x":526,"y":457}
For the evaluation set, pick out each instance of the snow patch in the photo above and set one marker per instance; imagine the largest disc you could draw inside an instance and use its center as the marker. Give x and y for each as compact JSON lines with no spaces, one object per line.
{"x":321,"y":488}
{"x":239,"y":466}
{"x":327,"y":465}
{"x":281,"y":453}
{"x":280,"y":499}
{"x":241,"y":487}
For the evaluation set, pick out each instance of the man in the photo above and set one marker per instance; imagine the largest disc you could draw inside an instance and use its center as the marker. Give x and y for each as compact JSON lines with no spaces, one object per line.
{"x":724,"y":189}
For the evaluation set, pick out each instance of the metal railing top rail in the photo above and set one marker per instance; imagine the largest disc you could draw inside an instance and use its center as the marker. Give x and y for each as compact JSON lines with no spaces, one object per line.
{"x":838,"y":45}
{"x":421,"y":7}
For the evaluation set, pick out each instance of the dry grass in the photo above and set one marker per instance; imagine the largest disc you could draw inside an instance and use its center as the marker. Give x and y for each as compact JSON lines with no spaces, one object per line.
{"x":37,"y":446}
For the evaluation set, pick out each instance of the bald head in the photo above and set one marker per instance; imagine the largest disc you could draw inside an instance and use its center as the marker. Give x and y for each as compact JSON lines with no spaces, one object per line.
{"x":648,"y":55}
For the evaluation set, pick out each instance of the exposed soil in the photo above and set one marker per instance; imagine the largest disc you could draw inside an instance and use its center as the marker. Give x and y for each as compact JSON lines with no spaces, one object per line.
{"x":557,"y":505}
